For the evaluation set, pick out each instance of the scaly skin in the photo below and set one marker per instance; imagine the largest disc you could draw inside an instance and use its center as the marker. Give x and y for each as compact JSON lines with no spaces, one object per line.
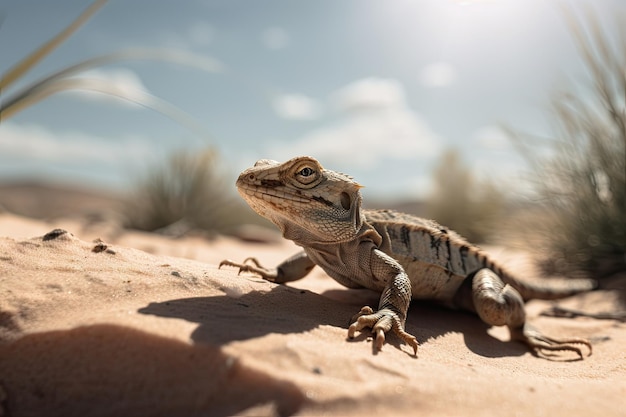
{"x":403,"y":257}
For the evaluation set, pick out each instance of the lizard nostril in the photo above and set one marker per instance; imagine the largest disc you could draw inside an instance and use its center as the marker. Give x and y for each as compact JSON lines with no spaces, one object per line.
{"x":251,"y":177}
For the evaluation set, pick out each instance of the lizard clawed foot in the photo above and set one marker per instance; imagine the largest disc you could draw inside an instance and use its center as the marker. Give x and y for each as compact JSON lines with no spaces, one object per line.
{"x":540,"y":343}
{"x":251,"y":265}
{"x":381,"y":322}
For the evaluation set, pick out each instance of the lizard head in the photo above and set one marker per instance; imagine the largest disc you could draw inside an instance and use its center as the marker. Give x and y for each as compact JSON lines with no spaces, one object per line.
{"x":307,"y":202}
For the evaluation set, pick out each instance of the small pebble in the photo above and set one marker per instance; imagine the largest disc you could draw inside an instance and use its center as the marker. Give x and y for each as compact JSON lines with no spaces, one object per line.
{"x":54,"y":234}
{"x":99,"y":247}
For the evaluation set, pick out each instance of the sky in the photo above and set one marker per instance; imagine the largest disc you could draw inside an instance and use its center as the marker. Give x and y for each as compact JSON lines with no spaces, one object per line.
{"x":375,"y":89}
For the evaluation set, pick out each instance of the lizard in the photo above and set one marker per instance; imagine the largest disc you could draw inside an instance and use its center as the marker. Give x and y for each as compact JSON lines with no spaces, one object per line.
{"x":403,"y":257}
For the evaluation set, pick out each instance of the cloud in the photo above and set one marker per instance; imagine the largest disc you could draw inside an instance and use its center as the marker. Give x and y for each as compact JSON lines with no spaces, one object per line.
{"x":275,"y":38}
{"x":370,"y":93}
{"x":297,"y":107}
{"x":198,"y":35}
{"x":120,"y":82}
{"x":32,"y":142}
{"x":492,"y":137}
{"x":438,"y":74}
{"x":376,"y":124}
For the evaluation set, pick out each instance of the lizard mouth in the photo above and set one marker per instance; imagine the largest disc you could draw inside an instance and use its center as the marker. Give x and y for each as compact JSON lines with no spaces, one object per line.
{"x":271,"y":195}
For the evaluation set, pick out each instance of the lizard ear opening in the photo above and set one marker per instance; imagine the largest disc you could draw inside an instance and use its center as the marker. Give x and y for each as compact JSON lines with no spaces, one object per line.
{"x":345,"y":200}
{"x":357,"y":219}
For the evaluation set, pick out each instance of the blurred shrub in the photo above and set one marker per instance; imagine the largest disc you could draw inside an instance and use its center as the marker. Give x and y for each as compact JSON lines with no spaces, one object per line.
{"x":188,"y":192}
{"x":580,"y":174}
{"x":461,"y":202}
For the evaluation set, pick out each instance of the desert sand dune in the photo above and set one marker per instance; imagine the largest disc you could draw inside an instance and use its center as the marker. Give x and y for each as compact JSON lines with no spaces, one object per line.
{"x":92,"y":327}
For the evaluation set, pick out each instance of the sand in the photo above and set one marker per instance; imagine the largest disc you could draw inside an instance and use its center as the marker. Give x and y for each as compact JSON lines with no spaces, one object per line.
{"x":138,"y":324}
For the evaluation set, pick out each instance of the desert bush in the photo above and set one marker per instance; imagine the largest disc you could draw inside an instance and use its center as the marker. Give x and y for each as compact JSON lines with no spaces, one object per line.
{"x":186,"y":192}
{"x":580,"y":173}
{"x":189,"y":191}
{"x":462,"y":202}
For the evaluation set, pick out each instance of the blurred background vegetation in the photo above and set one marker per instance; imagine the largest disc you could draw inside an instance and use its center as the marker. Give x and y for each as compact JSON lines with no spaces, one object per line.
{"x":575,"y":216}
{"x":580,"y":174}
{"x":185,"y":194}
{"x":472,"y":207}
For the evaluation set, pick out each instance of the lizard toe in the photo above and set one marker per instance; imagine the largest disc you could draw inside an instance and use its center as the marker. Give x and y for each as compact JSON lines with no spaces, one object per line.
{"x":251,"y":265}
{"x":409,"y":339}
{"x":253,"y":260}
{"x":380,"y":339}
{"x":365,"y":311}
{"x":365,"y":318}
{"x":540,"y":344}
{"x":381,"y":322}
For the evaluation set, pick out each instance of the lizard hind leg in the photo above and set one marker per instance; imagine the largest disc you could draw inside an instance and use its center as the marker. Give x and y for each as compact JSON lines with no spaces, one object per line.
{"x":500,"y":304}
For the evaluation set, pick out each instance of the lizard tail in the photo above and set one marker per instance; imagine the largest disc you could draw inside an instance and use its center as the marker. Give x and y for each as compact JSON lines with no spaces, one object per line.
{"x":546,"y":289}
{"x":549,"y":289}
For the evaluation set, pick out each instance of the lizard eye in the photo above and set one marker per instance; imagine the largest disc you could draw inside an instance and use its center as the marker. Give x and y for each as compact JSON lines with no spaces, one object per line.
{"x":306,"y":172}
{"x":306,"y":175}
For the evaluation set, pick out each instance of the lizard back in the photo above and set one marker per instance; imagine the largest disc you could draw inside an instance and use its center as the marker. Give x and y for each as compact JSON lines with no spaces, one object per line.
{"x":436,"y":258}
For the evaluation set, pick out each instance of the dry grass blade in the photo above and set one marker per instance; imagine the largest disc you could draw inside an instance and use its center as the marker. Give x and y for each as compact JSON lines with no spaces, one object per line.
{"x":31,"y":60}
{"x":59,"y":80}
{"x":139,"y":97}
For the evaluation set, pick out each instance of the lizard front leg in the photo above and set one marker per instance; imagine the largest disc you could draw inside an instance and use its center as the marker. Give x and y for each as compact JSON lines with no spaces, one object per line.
{"x":498,"y":304}
{"x":393,"y":305}
{"x":291,"y":269}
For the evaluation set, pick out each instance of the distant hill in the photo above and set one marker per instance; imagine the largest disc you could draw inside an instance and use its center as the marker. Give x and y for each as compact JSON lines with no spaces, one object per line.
{"x":48,"y":201}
